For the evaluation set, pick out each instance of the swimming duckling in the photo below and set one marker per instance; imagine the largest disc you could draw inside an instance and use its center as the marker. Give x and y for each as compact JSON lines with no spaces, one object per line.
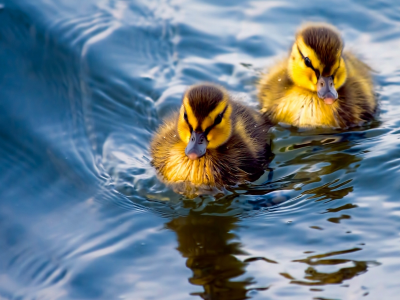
{"x":213,"y":141}
{"x":318,"y":85}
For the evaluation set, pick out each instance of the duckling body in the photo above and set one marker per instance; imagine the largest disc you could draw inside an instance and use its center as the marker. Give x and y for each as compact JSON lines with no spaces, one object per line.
{"x":236,"y":139}
{"x":318,"y":85}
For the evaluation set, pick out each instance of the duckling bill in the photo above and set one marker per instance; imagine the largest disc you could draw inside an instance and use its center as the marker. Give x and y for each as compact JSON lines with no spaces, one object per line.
{"x":318,"y":85}
{"x":213,"y":141}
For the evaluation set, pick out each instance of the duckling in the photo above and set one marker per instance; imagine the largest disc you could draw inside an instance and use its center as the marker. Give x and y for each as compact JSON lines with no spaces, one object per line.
{"x":213,"y":141}
{"x":318,"y":85}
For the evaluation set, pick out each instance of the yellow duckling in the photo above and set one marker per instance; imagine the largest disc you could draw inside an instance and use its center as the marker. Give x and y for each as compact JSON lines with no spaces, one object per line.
{"x":213,"y":141}
{"x":318,"y":85}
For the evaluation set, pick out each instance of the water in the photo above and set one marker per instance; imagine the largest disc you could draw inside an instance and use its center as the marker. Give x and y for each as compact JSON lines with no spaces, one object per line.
{"x":84,"y":84}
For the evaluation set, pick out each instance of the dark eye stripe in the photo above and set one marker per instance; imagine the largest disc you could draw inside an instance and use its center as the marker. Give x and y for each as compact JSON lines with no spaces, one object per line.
{"x":308,"y":63}
{"x":187,"y":121}
{"x":217,"y":120}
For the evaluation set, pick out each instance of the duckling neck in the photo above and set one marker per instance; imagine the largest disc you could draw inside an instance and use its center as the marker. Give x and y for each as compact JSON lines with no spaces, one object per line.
{"x":303,"y":108}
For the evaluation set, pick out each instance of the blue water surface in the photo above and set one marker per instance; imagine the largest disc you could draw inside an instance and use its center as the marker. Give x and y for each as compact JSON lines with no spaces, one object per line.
{"x":83,"y":87}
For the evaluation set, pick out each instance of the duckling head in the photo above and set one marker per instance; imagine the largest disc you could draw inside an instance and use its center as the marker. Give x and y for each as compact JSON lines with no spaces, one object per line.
{"x":316,"y":61}
{"x":204,"y":119}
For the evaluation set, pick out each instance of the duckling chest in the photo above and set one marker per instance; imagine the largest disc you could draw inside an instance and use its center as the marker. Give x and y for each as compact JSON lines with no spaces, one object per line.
{"x":180,"y":168}
{"x":306,"y":110}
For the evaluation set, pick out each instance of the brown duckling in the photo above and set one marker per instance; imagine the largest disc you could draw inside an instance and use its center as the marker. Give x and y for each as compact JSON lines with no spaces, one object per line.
{"x":318,"y":85}
{"x":213,"y":141}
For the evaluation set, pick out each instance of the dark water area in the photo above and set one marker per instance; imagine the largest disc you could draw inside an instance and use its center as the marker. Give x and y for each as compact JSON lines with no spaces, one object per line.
{"x":83,"y":87}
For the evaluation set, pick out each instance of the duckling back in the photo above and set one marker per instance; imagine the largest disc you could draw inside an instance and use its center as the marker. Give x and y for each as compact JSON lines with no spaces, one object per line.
{"x":236,"y":137}
{"x":251,"y":131}
{"x":358,"y":102}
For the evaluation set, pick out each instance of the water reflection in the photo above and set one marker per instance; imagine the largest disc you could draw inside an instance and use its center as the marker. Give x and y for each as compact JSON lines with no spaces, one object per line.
{"x":212,"y":251}
{"x":314,"y":277}
{"x":211,"y":247}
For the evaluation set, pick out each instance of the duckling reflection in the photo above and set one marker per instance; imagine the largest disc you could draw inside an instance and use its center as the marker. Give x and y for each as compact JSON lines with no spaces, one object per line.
{"x":320,"y":159}
{"x":208,"y":244}
{"x":313,"y":277}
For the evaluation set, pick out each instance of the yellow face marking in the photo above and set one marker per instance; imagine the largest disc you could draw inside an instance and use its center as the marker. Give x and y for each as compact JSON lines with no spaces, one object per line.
{"x":304,"y":76}
{"x":209,"y":120}
{"x":183,"y":127}
{"x":191,"y":117}
{"x":341,"y":74}
{"x":310,"y":53}
{"x":220,"y":133}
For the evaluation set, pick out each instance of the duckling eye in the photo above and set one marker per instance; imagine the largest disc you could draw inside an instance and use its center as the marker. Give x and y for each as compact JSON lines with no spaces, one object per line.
{"x":185,"y":117}
{"x":218,"y":119}
{"x":307,"y":61}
